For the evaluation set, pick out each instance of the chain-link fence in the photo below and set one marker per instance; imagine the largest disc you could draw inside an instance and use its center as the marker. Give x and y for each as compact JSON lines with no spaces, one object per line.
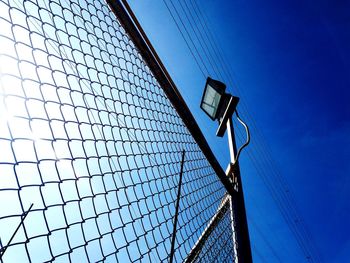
{"x":90,"y":145}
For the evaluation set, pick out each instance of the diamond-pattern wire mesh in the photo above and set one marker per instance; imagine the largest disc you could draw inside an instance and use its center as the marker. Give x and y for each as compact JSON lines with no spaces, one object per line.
{"x":218,"y":247}
{"x":89,"y":138}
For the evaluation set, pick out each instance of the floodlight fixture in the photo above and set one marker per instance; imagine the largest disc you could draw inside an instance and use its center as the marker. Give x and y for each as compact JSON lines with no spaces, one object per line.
{"x":213,"y":98}
{"x":217,"y":104}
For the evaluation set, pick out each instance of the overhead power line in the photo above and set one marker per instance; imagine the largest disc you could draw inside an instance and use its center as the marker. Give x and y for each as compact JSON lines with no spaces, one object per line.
{"x":276,"y":184}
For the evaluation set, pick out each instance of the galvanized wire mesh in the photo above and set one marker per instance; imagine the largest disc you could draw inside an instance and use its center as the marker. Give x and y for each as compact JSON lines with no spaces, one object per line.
{"x":89,"y":138}
{"x":218,"y":247}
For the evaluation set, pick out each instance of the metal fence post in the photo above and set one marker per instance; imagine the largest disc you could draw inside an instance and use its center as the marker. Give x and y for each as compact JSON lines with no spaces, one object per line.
{"x":239,"y":217}
{"x":173,"y":238}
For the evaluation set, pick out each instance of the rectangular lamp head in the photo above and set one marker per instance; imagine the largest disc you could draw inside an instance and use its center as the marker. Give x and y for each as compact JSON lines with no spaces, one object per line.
{"x":213,"y":97}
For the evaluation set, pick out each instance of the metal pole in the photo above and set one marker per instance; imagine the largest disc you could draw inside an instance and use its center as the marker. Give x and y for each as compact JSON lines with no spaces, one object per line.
{"x":172,"y":250}
{"x":240,"y":225}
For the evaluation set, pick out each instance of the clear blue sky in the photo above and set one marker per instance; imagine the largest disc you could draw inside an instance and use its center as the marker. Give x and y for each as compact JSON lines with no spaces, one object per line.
{"x":290,"y":63}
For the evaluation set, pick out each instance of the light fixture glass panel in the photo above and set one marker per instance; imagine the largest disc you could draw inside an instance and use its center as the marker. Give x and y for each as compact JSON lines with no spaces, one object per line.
{"x":211,"y":101}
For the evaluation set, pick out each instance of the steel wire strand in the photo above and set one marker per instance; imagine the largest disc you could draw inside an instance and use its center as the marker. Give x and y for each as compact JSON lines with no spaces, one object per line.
{"x":267,"y":152}
{"x":306,"y":254}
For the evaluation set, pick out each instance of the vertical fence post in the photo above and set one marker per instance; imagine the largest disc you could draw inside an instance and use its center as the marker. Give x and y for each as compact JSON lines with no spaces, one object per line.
{"x":173,"y":238}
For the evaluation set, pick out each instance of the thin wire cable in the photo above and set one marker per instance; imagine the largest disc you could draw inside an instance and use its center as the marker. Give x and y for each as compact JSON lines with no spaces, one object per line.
{"x":247,"y":140}
{"x":289,"y":201}
{"x":202,"y":44}
{"x":249,"y":116}
{"x":187,"y":43}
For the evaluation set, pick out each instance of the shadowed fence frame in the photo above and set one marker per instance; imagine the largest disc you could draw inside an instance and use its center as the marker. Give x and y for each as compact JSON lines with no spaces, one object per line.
{"x":133,"y":28}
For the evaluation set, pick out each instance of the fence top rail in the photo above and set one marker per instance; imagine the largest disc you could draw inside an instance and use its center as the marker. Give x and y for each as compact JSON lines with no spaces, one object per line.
{"x":133,"y":28}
